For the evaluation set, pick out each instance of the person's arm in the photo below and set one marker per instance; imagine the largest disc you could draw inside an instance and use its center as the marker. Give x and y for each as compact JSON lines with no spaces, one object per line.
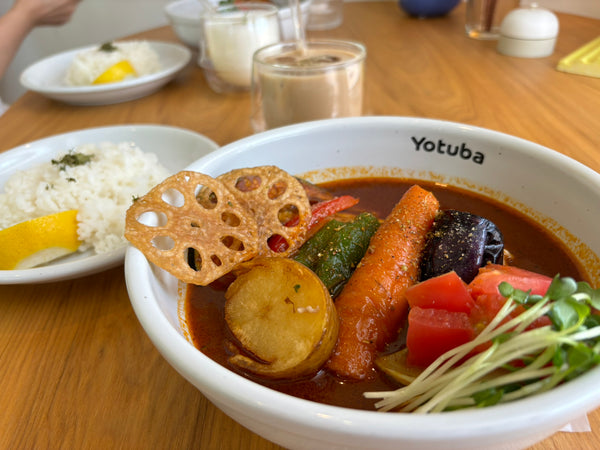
{"x":23,"y":17}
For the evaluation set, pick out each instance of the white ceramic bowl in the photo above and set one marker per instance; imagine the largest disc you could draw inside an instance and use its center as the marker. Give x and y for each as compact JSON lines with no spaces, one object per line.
{"x":184,"y":17}
{"x":524,"y":174}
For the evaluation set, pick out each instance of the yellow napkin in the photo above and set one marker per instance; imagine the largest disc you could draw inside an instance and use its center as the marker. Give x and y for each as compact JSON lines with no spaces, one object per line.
{"x":583,"y":61}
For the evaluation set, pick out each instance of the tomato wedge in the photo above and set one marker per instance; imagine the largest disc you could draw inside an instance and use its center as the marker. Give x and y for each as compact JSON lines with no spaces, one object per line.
{"x":447,"y":291}
{"x":489,"y":278}
{"x":488,"y":300}
{"x":432,"y":332}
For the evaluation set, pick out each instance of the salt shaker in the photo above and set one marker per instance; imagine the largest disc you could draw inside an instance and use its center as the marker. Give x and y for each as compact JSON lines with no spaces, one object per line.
{"x":528,"y":32}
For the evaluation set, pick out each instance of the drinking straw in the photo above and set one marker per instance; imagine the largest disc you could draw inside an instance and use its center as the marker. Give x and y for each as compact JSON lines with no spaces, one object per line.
{"x":299,"y":35}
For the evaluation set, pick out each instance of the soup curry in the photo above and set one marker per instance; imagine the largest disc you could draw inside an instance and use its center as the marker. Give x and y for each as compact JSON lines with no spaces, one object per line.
{"x":527,"y":245}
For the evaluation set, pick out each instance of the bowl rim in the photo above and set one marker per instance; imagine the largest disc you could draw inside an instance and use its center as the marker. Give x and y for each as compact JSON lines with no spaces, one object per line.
{"x":176,"y":16}
{"x":551,"y":410}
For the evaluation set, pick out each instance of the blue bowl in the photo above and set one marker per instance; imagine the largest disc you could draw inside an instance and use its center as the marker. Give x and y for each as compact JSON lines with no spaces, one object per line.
{"x":428,"y":8}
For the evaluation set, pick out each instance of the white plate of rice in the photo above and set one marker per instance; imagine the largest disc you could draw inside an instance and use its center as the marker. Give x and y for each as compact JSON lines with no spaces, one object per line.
{"x":132,"y":157}
{"x":64,"y":76}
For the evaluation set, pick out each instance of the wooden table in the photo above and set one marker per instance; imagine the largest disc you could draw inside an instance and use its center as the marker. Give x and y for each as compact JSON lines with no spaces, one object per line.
{"x":77,"y":370}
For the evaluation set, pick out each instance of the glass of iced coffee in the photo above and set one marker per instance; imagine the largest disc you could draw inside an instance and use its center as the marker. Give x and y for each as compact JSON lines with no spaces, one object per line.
{"x":301,"y":81}
{"x":230,"y":36}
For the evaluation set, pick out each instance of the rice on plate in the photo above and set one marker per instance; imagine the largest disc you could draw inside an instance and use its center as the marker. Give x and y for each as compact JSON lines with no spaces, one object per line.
{"x":90,"y":64}
{"x":98,"y":180}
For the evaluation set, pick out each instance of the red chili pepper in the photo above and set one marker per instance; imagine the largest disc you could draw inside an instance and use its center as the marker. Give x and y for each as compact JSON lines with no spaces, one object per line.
{"x":320,"y":211}
{"x":327,"y":208}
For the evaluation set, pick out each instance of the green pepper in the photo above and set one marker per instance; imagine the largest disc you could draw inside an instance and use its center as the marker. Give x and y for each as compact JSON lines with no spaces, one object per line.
{"x":334,"y":252}
{"x":309,"y":253}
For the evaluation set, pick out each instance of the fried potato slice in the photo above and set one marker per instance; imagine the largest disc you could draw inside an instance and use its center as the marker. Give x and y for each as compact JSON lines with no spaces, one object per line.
{"x":278,"y":201}
{"x":283,"y":317}
{"x":195,"y":238}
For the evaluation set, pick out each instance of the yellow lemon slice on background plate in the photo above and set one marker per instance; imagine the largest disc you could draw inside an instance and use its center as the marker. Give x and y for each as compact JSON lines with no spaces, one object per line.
{"x":38,"y":241}
{"x":116,"y":72}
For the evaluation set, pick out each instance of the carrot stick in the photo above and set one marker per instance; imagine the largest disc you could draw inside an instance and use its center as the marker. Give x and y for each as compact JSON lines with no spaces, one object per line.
{"x":372,"y":306}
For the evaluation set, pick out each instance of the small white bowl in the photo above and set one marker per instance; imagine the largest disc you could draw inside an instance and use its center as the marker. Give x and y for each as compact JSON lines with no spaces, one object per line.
{"x":521,"y":173}
{"x":184,"y":17}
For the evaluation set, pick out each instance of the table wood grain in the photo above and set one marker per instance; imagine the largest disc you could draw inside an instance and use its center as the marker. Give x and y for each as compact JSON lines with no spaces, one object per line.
{"x":76,"y":368}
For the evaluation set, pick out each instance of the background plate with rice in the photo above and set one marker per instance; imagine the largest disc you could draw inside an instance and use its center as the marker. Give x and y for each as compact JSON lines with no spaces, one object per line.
{"x":175,"y":148}
{"x":47,"y":77}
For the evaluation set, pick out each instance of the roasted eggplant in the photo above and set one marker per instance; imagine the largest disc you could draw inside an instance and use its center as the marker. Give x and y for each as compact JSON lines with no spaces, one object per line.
{"x":462,"y":242}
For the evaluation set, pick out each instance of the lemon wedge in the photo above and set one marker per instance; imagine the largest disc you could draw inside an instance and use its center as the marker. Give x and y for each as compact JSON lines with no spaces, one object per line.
{"x":38,"y":241}
{"x":116,"y":72}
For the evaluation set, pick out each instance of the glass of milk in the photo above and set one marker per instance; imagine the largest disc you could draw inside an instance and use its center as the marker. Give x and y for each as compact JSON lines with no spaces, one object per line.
{"x":297,"y":82}
{"x":230,"y":36}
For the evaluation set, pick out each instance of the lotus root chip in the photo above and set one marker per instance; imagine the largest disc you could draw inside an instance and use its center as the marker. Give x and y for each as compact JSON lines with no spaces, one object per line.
{"x":274,"y":196}
{"x":199,"y":230}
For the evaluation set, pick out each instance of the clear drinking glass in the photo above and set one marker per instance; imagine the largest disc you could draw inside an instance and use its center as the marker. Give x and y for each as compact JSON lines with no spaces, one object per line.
{"x":325,"y":14}
{"x":230,"y":36}
{"x":294,"y":83}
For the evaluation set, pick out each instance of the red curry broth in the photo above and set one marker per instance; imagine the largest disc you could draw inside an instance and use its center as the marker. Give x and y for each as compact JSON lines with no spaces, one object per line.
{"x":531,"y":247}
